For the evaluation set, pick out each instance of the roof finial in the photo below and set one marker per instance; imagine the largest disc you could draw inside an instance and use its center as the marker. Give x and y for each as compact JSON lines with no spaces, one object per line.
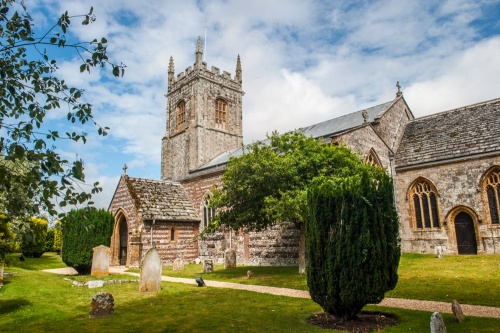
{"x":125,"y":167}
{"x":199,"y":53}
{"x":365,"y":116}
{"x":399,"y":93}
{"x":238,"y":70}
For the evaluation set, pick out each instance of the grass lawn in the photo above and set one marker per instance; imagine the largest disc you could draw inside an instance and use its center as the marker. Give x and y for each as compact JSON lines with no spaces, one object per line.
{"x":468,"y":279}
{"x":34,"y":301}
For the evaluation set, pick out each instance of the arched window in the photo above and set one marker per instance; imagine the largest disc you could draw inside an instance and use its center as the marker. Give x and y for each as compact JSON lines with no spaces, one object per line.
{"x":424,"y":205}
{"x":372,"y":158}
{"x":220,"y":113}
{"x":208,"y":212}
{"x":492,"y":189}
{"x":180,"y":115}
{"x":173,"y":234}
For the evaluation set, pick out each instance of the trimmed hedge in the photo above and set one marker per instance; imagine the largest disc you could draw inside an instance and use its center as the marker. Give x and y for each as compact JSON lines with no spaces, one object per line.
{"x":33,"y":244}
{"x":84,"y":229}
{"x":352,"y":242}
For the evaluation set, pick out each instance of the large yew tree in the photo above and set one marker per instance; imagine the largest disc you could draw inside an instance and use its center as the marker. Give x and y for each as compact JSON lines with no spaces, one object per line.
{"x":352,"y":242}
{"x":268,"y":184}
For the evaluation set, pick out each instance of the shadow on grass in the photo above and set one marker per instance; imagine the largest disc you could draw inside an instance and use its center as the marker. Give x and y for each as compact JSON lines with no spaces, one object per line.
{"x":11,"y":305}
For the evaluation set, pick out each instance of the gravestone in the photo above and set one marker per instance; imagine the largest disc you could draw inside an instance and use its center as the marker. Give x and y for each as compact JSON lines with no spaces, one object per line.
{"x":437,"y":323}
{"x":249,"y":274}
{"x":457,"y":311}
{"x":102,"y":305}
{"x":100,"y":260}
{"x":178,"y":265}
{"x":208,"y":266}
{"x":230,"y":259}
{"x":150,"y":279}
{"x":197,"y":261}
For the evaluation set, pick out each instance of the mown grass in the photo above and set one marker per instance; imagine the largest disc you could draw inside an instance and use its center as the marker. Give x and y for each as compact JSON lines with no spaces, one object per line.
{"x":468,"y":279}
{"x":35,"y":301}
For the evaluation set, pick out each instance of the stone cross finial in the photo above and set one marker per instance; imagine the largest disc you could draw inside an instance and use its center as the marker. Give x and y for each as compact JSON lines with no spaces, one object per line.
{"x":399,"y":93}
{"x":125,"y":167}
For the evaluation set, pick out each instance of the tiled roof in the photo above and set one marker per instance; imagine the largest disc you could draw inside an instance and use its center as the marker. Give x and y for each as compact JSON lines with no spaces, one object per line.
{"x":465,"y":132}
{"x":319,"y":130}
{"x":160,"y":200}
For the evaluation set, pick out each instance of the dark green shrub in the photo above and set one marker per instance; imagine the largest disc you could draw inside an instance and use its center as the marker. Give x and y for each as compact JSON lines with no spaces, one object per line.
{"x":49,"y":241}
{"x":57,"y":237}
{"x":33,"y":243}
{"x":83,"y":230}
{"x":352,"y":242}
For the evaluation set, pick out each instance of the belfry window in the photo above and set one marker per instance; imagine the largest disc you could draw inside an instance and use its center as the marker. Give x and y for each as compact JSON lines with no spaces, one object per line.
{"x":208,"y":212}
{"x":492,"y":189}
{"x":180,"y":115}
{"x":424,"y":204}
{"x":220,"y":113}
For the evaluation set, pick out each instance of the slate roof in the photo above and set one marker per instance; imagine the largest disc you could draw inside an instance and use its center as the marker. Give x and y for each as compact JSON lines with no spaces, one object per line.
{"x":469,"y":131}
{"x":160,"y":200}
{"x":320,"y":130}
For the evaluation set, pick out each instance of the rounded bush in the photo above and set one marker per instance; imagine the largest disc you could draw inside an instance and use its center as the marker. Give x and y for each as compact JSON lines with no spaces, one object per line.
{"x":33,"y":243}
{"x":82,"y":230}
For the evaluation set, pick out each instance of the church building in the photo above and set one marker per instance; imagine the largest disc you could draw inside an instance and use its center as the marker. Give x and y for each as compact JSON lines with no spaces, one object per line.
{"x":446,"y":169}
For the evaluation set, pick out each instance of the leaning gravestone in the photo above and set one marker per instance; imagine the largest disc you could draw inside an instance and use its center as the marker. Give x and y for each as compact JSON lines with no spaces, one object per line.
{"x":457,"y":311}
{"x":102,"y":305}
{"x":100,"y":260}
{"x":437,"y":323}
{"x":230,"y":259}
{"x":178,"y":265}
{"x":150,"y":279}
{"x":208,"y":266}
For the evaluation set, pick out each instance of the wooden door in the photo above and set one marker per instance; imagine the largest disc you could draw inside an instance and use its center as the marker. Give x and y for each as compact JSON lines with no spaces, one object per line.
{"x":466,"y":235}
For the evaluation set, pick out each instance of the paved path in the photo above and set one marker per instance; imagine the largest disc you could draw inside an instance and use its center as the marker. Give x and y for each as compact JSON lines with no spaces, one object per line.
{"x":431,"y":306}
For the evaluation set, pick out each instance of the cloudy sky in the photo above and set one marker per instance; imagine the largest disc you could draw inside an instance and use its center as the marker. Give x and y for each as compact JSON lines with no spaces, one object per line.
{"x":303,"y":62}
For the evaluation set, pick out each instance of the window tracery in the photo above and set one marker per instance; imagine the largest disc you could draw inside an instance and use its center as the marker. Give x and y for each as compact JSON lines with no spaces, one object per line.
{"x":424,"y":205}
{"x":372,"y":159}
{"x":492,"y":191}
{"x":208,"y":212}
{"x":180,"y":115}
{"x":220,"y":113}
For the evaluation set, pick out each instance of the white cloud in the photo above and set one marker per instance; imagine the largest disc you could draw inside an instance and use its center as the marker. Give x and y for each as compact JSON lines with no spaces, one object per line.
{"x":303,"y":62}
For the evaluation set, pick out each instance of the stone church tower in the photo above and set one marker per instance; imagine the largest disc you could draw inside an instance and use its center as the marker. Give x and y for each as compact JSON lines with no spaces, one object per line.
{"x":204,"y":116}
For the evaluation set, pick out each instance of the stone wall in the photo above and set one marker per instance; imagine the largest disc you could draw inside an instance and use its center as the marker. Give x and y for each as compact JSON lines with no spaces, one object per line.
{"x":390,"y":126}
{"x":362,"y":140}
{"x":459,"y":188}
{"x":184,"y":245}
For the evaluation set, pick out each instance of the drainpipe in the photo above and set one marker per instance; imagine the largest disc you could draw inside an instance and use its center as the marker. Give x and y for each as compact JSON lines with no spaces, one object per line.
{"x":151,"y":238}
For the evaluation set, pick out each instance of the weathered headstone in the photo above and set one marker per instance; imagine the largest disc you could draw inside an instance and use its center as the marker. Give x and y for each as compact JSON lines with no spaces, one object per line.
{"x":249,"y":274}
{"x":439,"y":252}
{"x":150,"y":279}
{"x":102,"y":305}
{"x":178,"y":265}
{"x":437,"y":323}
{"x":100,"y":260}
{"x":230,"y":259}
{"x":208,"y":266}
{"x":457,"y":311}
{"x":197,"y":261}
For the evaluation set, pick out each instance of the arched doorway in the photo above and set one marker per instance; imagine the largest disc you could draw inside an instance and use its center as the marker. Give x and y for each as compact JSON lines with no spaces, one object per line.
{"x":122,"y":254}
{"x":466,"y":234}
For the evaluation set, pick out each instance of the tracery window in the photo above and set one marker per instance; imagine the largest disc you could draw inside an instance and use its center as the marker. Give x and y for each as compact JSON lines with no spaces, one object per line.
{"x":425,"y":206}
{"x":208,"y":212}
{"x":220,"y":112}
{"x":180,"y":115}
{"x":492,"y":189}
{"x":372,"y":158}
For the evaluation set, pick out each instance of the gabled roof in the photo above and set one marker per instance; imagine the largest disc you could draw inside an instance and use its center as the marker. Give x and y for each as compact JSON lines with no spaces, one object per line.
{"x":160,"y":200}
{"x":319,"y":130}
{"x":469,"y":131}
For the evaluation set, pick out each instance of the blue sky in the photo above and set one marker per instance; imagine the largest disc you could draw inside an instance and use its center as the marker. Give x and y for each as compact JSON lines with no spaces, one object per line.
{"x":303,"y":62}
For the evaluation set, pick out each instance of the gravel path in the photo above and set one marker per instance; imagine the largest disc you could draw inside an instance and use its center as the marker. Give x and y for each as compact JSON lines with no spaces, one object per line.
{"x":411,"y":304}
